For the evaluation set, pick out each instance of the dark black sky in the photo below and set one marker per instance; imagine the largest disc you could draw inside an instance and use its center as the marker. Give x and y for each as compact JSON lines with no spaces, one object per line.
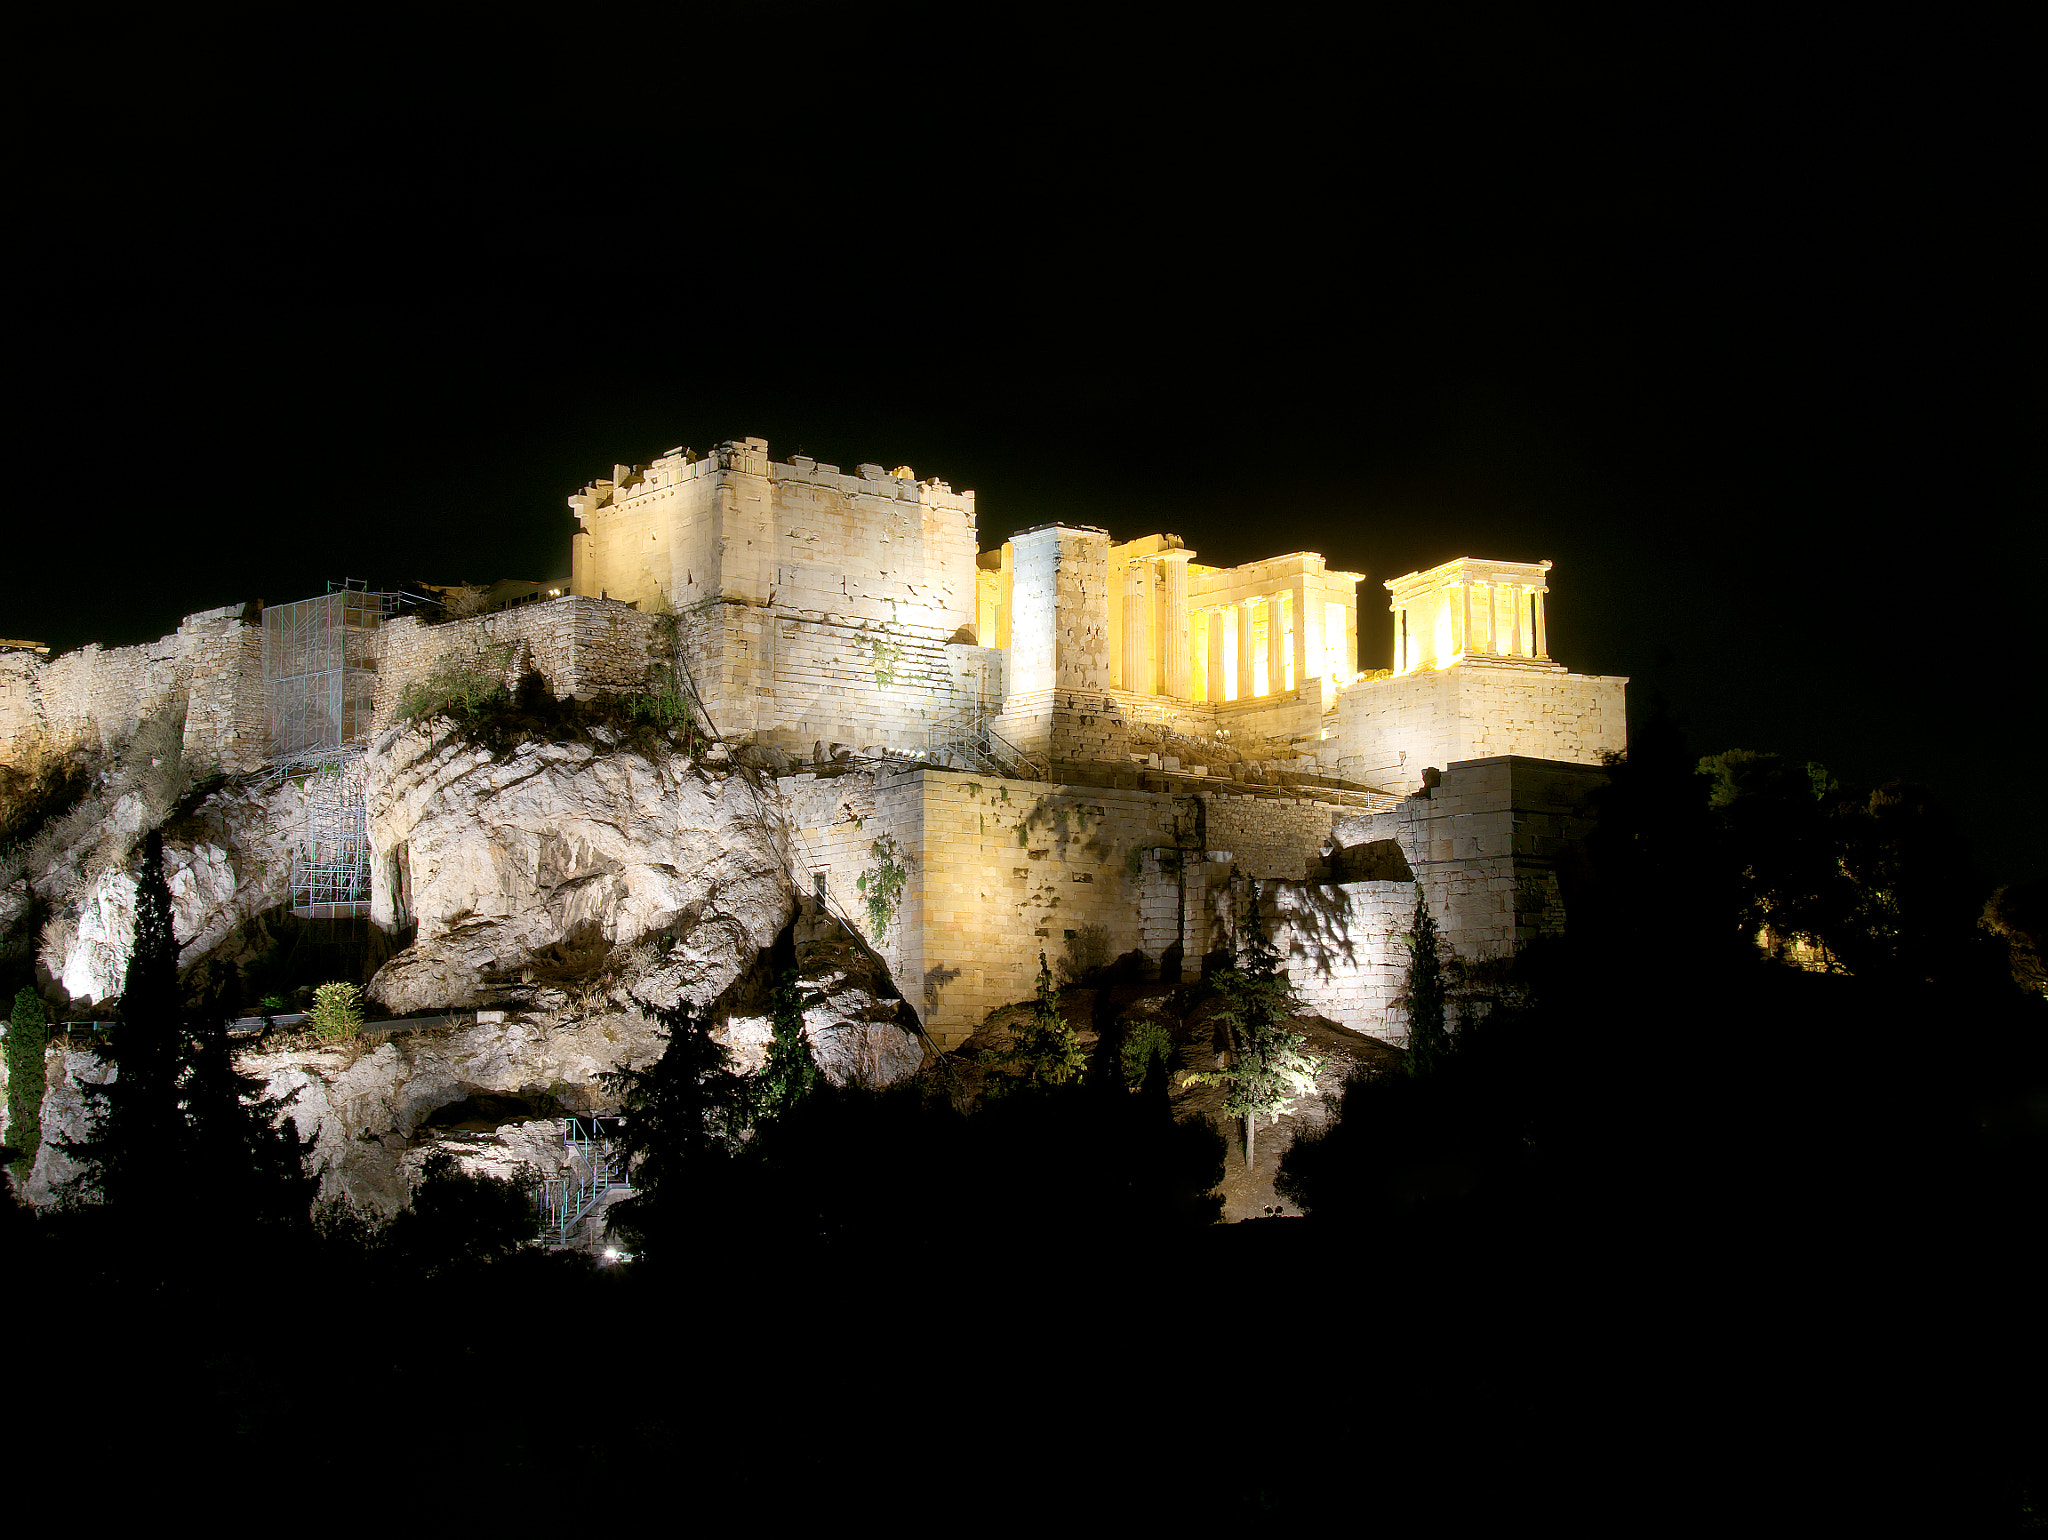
{"x":1739,"y":326}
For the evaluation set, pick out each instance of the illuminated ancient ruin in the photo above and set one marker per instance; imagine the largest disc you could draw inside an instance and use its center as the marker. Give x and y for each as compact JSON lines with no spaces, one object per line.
{"x":1066,"y":743}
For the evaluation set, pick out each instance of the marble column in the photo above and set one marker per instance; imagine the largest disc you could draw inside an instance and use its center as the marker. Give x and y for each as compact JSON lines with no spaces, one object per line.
{"x":1247,"y":654}
{"x":1214,"y":683}
{"x":1308,"y":629}
{"x":1138,"y":674}
{"x":1276,"y":647}
{"x":1175,"y":644}
{"x":1542,"y":641}
{"x":1400,"y":640}
{"x":1464,"y":638}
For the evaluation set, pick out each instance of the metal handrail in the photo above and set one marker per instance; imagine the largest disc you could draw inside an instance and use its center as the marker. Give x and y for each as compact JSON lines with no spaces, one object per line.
{"x":564,"y":1206}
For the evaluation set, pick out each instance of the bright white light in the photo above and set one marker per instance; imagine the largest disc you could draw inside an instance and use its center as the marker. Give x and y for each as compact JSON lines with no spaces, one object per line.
{"x":610,"y":1254}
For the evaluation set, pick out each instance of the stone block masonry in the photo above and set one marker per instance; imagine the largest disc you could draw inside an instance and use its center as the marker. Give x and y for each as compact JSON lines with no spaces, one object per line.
{"x":996,"y":872}
{"x":1497,"y":848}
{"x":211,"y":668}
{"x":1389,"y":730}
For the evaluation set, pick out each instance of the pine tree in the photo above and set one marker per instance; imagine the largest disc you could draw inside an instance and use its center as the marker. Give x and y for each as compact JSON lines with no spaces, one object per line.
{"x":1270,"y":1065}
{"x":1046,"y":1049}
{"x":683,"y":1118}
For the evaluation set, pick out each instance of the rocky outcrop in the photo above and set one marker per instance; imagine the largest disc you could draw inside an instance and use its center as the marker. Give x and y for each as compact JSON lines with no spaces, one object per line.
{"x":526,"y":875}
{"x":861,"y":1032}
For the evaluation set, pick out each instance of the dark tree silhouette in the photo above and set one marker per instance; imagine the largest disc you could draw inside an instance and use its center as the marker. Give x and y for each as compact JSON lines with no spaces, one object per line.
{"x":683,"y":1117}
{"x":134,"y":1121}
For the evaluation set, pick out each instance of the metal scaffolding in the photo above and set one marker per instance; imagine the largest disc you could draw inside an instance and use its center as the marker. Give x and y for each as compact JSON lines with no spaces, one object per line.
{"x":319,"y":669}
{"x":330,"y":877}
{"x":319,"y":676}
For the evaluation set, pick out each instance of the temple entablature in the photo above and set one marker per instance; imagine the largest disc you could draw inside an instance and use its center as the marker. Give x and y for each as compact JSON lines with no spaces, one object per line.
{"x":1469,"y":608}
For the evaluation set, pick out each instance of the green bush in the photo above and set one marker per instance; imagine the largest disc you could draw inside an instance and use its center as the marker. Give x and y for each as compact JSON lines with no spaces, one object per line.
{"x":1145,"y":1040}
{"x":337,"y":1012}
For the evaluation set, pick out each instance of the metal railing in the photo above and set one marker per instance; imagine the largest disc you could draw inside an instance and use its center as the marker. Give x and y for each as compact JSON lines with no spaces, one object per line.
{"x":596,"y":1171}
{"x":972,"y":733}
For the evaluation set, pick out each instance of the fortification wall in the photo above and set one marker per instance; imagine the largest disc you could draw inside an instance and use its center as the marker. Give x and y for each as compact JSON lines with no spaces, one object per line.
{"x":997,"y":871}
{"x":1388,"y":731}
{"x":1341,"y":944}
{"x":581,"y":646}
{"x":799,"y":537}
{"x":211,"y":666}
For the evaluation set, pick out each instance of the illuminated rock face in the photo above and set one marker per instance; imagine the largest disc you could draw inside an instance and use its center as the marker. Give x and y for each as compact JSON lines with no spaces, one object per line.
{"x":531,"y":870}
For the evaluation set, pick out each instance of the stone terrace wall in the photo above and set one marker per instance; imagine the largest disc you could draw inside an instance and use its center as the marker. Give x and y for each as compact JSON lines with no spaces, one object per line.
{"x":581,"y":646}
{"x":1269,"y":836}
{"x":1496,"y":847}
{"x":212,"y":665}
{"x":1389,"y":730}
{"x":998,"y":871}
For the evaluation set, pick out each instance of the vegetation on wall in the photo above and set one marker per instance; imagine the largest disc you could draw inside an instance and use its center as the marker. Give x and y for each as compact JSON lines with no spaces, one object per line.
{"x":466,"y":689}
{"x":881,"y":886}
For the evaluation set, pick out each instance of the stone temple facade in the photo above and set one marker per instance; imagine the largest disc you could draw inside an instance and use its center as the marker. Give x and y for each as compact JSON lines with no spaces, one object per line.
{"x":1054,"y":742}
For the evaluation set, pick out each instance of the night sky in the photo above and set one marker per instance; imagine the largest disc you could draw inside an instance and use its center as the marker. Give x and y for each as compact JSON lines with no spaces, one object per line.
{"x":1741,"y":330}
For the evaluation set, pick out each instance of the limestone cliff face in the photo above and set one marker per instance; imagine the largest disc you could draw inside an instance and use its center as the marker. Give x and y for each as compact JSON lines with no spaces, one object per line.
{"x":523,"y":874}
{"x":552,"y":886}
{"x":226,"y":863}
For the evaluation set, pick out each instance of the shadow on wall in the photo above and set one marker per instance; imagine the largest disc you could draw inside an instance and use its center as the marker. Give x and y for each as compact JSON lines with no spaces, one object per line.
{"x":1087,"y":952}
{"x":1320,"y":917}
{"x":936,"y":978}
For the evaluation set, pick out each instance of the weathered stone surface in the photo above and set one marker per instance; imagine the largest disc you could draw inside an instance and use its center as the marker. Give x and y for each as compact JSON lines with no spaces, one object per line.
{"x":535,"y":869}
{"x":225,"y":862}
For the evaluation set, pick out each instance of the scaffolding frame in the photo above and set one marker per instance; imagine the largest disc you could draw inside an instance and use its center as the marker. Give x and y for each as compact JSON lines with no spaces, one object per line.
{"x":319,"y":668}
{"x":330,"y":876}
{"x":320,"y":682}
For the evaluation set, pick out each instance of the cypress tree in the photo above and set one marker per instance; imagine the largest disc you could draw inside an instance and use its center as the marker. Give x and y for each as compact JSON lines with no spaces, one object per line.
{"x":134,"y":1123}
{"x":1429,"y":1037}
{"x":1270,"y":1065}
{"x":683,"y":1117}
{"x":25,"y":1041}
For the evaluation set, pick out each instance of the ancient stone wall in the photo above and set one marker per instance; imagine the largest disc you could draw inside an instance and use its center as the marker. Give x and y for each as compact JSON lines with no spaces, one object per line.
{"x":211,"y":666}
{"x":793,"y":680}
{"x":581,"y":646}
{"x":1341,"y":944}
